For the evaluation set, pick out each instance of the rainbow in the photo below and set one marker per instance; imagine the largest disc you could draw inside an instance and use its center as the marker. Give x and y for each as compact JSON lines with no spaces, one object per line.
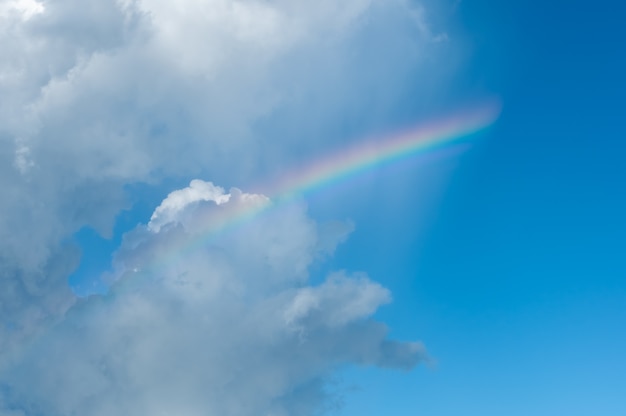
{"x":361,"y":157}
{"x":369,"y":154}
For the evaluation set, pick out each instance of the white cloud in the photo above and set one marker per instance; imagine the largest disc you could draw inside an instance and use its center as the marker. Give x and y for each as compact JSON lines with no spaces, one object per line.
{"x":198,"y":325}
{"x":178,"y":200}
{"x":97,"y":94}
{"x":100,"y":94}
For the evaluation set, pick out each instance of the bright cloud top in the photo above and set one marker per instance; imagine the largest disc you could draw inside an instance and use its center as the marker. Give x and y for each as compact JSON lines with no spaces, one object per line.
{"x":25,"y":9}
{"x":233,"y":327}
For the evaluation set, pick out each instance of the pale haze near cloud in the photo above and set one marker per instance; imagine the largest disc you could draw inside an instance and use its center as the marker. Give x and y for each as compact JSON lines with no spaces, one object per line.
{"x":100,"y":94}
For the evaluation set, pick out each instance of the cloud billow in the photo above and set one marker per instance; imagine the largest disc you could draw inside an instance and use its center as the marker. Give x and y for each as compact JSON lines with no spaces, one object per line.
{"x":195,"y":324}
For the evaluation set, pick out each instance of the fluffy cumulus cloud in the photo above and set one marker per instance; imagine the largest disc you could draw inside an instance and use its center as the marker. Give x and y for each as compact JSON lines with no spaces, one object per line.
{"x":101,"y":94}
{"x":206,"y":319}
{"x":98,"y":94}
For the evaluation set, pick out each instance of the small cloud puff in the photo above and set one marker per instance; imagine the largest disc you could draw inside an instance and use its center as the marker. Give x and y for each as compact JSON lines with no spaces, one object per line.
{"x":23,"y":161}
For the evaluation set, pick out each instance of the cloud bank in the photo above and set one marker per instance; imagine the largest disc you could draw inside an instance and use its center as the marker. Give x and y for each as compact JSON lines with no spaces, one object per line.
{"x":227,"y":324}
{"x":98,"y":95}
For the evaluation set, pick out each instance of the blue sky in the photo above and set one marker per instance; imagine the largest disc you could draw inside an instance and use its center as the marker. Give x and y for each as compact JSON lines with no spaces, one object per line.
{"x":505,"y":260}
{"x":518,"y":284}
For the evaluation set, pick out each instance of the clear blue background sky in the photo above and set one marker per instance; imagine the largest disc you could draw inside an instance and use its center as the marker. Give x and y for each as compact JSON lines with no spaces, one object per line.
{"x":519,"y":286}
{"x":514,"y":274}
